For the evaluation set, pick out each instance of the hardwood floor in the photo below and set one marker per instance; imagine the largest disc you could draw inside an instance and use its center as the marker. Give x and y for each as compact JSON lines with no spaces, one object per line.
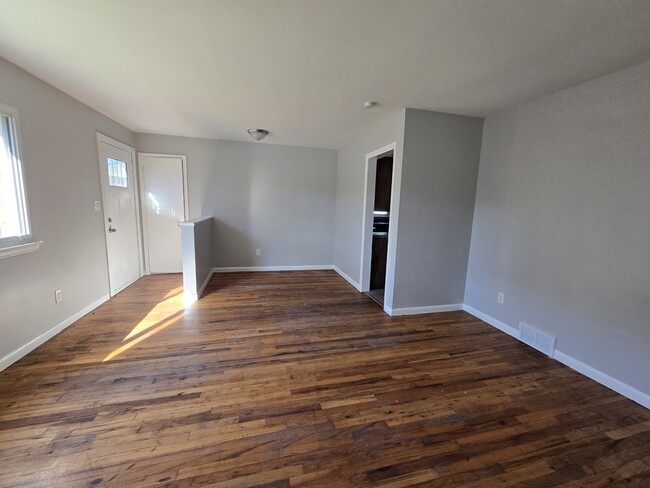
{"x":295,"y":379}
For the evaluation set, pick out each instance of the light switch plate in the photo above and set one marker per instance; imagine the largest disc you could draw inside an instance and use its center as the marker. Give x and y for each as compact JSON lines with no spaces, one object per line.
{"x":97,"y":205}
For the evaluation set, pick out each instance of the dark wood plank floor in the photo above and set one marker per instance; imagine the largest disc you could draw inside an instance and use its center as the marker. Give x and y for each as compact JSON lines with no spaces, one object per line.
{"x":295,"y":379}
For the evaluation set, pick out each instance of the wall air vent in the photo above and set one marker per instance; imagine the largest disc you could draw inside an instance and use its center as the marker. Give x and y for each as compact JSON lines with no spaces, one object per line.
{"x":537,"y":339}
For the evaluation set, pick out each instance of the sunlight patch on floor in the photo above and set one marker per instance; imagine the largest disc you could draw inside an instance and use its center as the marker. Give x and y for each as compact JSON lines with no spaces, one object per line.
{"x":173,"y":293}
{"x":144,"y":336}
{"x":164,"y":314}
{"x":161,"y":311}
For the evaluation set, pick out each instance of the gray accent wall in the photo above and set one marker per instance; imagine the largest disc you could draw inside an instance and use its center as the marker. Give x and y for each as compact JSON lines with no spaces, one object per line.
{"x":439,"y":174}
{"x":562,"y":222}
{"x":350,"y":178}
{"x":280,"y":199}
{"x":61,"y":170}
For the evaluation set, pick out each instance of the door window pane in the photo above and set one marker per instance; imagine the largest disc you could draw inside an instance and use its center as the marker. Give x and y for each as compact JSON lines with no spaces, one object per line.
{"x":117,"y":175}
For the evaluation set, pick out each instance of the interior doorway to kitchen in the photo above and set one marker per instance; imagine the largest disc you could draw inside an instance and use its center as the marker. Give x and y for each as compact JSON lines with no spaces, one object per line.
{"x":378,"y":241}
{"x":380,"y":224}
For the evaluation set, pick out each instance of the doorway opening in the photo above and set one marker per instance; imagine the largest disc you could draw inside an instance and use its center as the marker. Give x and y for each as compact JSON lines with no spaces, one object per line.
{"x":379,"y":227}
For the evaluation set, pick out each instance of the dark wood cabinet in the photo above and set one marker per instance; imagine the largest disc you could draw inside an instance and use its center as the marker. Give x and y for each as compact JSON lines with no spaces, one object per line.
{"x":378,"y":263}
{"x":383,"y":183}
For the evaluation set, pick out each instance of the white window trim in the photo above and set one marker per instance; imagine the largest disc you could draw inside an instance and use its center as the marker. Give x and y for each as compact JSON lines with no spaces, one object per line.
{"x":16,"y":245}
{"x":7,"y":252}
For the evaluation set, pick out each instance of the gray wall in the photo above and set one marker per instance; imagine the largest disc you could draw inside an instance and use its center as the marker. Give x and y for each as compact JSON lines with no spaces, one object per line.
{"x":439,"y":174}
{"x":350,"y":186}
{"x":279,"y":199}
{"x":59,"y":150}
{"x":562,"y":222}
{"x":203,"y":251}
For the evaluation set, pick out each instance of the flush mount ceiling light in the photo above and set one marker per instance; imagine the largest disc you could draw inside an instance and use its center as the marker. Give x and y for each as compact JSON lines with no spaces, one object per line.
{"x":258,"y":134}
{"x":370,"y":104}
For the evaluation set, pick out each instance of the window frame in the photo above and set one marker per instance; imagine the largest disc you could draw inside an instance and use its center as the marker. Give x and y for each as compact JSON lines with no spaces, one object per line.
{"x":115,"y":180}
{"x":21,"y":244}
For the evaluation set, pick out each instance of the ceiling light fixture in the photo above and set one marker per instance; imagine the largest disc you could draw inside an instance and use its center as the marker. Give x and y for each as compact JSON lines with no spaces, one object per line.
{"x":258,"y":134}
{"x":370,"y":104}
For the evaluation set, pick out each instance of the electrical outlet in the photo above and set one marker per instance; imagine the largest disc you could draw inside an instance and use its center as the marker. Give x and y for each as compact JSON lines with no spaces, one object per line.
{"x":501,"y":297}
{"x":258,"y":252}
{"x":58,"y":296}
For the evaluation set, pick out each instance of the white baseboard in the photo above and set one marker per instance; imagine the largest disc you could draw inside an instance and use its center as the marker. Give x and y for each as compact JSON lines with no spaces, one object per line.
{"x":239,"y":269}
{"x":347,"y":278}
{"x":205,"y":283}
{"x":511,"y":331}
{"x":603,"y":378}
{"x":189,"y":298}
{"x":575,"y":364}
{"x":394,"y":312}
{"x":14,"y":356}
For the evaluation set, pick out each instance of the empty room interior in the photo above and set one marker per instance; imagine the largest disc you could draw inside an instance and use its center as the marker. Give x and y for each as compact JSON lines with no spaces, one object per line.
{"x":298,"y":243}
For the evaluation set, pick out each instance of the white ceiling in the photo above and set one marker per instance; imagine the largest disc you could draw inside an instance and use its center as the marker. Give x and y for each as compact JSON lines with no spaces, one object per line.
{"x":303,"y":68}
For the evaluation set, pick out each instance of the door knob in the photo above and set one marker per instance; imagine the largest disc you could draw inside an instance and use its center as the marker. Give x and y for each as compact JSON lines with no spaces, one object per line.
{"x":111,"y":229}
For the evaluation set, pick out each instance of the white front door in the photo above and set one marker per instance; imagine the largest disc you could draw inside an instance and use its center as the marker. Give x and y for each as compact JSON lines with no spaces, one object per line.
{"x":117,"y":171}
{"x":162,"y":189}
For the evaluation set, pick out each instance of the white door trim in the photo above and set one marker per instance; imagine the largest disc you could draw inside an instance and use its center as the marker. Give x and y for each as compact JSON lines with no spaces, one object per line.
{"x":366,"y":227}
{"x":143,"y":204}
{"x":101,"y":138}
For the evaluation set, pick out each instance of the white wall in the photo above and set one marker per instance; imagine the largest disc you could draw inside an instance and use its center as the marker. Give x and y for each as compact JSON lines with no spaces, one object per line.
{"x":350,"y":186}
{"x":562,"y":222}
{"x":59,"y":150}
{"x":196,"y":237}
{"x":279,"y":199}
